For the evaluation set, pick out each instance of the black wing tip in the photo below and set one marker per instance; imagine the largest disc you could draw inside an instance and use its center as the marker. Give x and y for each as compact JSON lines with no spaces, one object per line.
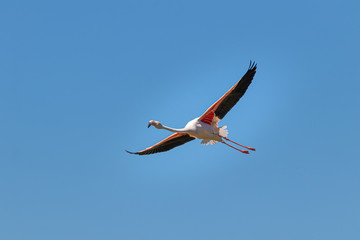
{"x":252,"y":66}
{"x":138,"y":153}
{"x":131,"y":152}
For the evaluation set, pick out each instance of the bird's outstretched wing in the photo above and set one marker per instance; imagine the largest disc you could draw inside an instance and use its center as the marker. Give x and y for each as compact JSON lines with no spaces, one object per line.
{"x":168,"y":143}
{"x":222,"y":106}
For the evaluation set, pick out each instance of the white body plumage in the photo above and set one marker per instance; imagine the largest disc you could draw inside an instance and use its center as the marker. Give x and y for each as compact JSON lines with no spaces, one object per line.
{"x":210,"y":134}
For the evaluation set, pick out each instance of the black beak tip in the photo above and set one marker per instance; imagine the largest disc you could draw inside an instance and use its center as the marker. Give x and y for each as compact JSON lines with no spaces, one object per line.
{"x":149,"y":125}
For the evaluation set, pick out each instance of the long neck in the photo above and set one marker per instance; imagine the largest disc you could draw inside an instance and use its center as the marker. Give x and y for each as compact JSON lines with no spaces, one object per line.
{"x":182,"y":130}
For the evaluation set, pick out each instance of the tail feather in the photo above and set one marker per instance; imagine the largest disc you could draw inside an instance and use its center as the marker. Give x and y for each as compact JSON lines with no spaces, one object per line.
{"x":208,"y":142}
{"x":223,"y":132}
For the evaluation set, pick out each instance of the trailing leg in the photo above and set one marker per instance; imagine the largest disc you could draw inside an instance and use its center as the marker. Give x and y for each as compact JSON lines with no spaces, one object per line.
{"x":250,"y":148}
{"x":243,"y":151}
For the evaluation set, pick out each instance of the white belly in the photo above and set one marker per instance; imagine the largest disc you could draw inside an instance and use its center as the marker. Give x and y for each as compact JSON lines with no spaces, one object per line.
{"x":201,"y":130}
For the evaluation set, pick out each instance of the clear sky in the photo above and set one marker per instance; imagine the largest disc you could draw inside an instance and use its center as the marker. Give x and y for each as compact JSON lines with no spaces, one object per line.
{"x":79,"y":81}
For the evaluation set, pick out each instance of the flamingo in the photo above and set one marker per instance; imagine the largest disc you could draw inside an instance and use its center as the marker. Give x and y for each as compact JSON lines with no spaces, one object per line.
{"x":205,"y":127}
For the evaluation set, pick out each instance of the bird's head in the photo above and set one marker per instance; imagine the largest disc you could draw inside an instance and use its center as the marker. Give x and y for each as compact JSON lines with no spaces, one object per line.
{"x":155,"y":124}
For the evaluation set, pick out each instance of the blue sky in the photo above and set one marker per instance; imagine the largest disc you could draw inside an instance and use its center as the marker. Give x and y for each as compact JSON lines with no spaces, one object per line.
{"x":79,"y":80}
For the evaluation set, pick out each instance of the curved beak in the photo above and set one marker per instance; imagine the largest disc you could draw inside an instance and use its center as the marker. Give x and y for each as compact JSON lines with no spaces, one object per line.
{"x":149,"y":125}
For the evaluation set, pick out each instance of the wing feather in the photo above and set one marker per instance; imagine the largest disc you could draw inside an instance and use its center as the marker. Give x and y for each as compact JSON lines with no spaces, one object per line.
{"x":222,"y":106}
{"x":168,"y":143}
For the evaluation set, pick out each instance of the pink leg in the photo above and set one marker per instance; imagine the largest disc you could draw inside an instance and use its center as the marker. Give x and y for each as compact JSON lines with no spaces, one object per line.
{"x":250,"y":148}
{"x":243,"y":151}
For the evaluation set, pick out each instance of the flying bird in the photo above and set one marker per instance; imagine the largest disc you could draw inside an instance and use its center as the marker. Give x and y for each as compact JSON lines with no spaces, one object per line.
{"x":205,"y":127}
